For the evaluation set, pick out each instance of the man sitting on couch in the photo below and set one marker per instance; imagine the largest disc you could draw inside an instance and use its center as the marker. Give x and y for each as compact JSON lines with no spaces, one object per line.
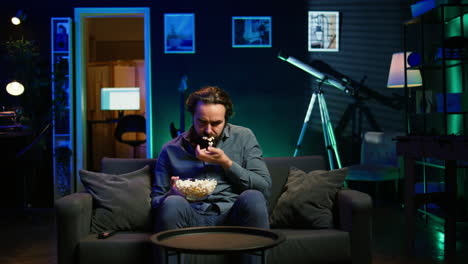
{"x":234,"y":159}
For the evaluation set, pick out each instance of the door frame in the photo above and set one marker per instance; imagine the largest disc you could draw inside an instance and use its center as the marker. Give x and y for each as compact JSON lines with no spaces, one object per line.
{"x":80,"y":73}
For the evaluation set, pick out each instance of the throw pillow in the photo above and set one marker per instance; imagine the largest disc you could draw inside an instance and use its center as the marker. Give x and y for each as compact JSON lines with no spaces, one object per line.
{"x":122,"y":202}
{"x":307,"y":199}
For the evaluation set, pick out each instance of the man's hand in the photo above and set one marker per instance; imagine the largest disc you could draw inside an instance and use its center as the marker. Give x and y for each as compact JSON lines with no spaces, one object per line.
{"x":213,"y":155}
{"x":173,"y":190}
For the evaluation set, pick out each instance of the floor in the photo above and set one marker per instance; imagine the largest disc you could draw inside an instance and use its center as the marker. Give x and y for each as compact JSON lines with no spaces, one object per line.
{"x":28,"y":237}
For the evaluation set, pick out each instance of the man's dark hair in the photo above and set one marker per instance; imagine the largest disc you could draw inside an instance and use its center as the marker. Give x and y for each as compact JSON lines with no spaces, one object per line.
{"x":210,"y":95}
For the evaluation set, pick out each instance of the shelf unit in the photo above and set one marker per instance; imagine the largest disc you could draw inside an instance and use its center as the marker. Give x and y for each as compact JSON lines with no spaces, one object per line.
{"x":437,"y":107}
{"x":436,"y":115}
{"x":62,"y":98}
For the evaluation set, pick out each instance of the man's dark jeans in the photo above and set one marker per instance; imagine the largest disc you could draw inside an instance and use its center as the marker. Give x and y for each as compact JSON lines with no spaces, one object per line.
{"x":250,"y":210}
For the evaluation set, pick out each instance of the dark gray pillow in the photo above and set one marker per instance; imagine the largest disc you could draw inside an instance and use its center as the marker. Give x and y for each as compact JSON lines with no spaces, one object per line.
{"x":307,"y":199}
{"x":122,"y":202}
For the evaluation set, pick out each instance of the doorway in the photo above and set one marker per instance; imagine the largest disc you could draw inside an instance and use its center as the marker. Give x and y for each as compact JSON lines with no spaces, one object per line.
{"x":112,"y":51}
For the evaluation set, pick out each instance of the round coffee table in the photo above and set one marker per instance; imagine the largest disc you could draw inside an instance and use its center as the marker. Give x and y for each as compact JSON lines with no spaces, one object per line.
{"x":217,"y":240}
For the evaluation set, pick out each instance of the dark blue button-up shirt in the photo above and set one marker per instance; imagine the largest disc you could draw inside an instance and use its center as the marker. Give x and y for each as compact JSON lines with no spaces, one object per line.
{"x":248,"y":170}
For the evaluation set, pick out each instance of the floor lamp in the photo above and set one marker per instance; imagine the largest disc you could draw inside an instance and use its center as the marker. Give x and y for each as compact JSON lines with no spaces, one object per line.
{"x":400,"y":76}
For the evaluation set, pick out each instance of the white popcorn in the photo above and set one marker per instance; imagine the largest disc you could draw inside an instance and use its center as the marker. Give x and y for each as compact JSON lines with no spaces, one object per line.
{"x":196,"y":189}
{"x":210,"y":140}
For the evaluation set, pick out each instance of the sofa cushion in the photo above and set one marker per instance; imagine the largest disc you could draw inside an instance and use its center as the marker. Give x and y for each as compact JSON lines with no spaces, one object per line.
{"x":126,"y":165}
{"x":122,"y":202}
{"x":307,"y":199}
{"x":279,"y":171}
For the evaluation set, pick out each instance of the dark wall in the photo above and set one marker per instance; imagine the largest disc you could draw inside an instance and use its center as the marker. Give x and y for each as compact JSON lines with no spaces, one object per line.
{"x":272,"y":96}
{"x":265,"y":96}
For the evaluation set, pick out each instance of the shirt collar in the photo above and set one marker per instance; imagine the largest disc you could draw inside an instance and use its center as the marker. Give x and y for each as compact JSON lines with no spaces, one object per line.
{"x":227,"y":131}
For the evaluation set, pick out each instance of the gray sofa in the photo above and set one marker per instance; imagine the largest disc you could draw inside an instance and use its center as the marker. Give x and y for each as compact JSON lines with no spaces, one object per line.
{"x":348,"y":242}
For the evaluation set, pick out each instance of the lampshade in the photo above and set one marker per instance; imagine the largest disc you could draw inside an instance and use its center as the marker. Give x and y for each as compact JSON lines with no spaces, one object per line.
{"x":15,"y":88}
{"x":396,"y":76}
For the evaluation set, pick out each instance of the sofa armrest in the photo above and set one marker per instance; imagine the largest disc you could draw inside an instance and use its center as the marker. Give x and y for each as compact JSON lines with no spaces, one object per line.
{"x":354,"y":210}
{"x":73,"y":222}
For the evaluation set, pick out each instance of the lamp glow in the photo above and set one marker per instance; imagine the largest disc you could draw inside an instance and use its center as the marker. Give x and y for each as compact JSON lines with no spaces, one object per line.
{"x":15,"y":88}
{"x":18,"y":18}
{"x":396,"y":76}
{"x":16,"y":21}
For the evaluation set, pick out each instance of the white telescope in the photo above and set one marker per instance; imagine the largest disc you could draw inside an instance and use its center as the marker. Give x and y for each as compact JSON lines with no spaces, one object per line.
{"x":316,"y":73}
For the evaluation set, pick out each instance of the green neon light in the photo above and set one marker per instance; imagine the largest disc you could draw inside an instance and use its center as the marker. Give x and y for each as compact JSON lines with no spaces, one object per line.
{"x":454,"y":80}
{"x":440,"y":237}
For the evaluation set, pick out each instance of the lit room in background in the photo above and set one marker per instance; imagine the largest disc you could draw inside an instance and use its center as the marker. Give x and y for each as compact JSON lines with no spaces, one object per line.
{"x":251,"y":32}
{"x":323,"y":31}
{"x":179,"y":33}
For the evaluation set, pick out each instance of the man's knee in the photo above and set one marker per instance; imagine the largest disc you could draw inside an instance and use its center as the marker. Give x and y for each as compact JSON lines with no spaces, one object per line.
{"x":250,"y":209}
{"x":174,"y":200}
{"x":252,"y":201}
{"x":252,"y":196}
{"x":171,"y":213}
{"x":173,"y":204}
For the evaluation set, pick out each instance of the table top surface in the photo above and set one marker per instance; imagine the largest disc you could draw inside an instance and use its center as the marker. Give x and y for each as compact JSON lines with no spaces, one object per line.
{"x":217,"y":239}
{"x":14,"y":131}
{"x":450,"y":147}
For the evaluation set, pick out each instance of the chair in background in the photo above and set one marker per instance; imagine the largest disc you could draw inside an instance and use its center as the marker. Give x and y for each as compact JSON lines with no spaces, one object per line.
{"x":379,"y":161}
{"x":131,"y":130}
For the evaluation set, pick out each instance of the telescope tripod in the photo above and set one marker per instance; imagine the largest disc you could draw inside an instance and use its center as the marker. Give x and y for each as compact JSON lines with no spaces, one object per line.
{"x":328,"y":134}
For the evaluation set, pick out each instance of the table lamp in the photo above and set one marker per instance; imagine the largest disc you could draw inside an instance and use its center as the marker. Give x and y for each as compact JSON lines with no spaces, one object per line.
{"x":120,"y":98}
{"x":396,"y":76}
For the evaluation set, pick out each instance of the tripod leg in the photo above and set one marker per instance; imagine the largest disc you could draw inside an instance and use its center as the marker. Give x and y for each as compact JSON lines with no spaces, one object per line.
{"x":348,"y":115}
{"x":306,"y":122}
{"x":326,"y":136}
{"x":328,"y":133}
{"x":370,"y":118}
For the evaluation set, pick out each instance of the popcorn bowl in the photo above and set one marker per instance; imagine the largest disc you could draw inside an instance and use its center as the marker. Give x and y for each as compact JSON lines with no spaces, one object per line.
{"x":196,"y":189}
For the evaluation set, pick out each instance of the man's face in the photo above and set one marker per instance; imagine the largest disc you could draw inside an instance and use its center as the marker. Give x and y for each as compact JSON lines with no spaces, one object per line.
{"x":209,"y":120}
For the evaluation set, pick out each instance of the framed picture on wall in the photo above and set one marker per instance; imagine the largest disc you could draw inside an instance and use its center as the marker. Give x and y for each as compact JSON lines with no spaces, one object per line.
{"x":61,"y":31}
{"x":324,"y":31}
{"x":251,"y":32}
{"x":179,"y":33}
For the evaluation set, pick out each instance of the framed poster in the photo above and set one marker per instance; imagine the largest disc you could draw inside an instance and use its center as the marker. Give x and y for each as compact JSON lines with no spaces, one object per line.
{"x":179,"y":33}
{"x":60,"y":31}
{"x":324,"y":33}
{"x":251,"y":32}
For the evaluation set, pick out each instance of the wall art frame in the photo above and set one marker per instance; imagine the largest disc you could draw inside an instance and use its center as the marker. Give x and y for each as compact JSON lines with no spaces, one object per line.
{"x":179,"y":33}
{"x":251,"y":32}
{"x":324,"y":31}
